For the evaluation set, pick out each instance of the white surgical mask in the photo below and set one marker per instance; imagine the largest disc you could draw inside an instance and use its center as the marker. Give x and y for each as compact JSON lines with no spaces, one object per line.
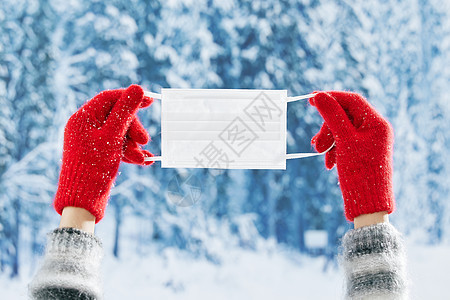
{"x":224,"y":128}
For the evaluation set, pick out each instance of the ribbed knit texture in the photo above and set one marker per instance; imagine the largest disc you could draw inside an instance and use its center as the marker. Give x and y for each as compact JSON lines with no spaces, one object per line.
{"x":71,"y":267}
{"x":374,"y":263}
{"x":97,"y":137}
{"x":372,"y":257}
{"x":363,"y":151}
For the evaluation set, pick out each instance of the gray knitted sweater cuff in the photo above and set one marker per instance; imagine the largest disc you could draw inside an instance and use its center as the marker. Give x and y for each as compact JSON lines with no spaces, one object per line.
{"x":374,"y":263}
{"x":71,"y":267}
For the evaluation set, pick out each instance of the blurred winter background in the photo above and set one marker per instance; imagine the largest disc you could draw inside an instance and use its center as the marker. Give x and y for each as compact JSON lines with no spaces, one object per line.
{"x":253,"y":234}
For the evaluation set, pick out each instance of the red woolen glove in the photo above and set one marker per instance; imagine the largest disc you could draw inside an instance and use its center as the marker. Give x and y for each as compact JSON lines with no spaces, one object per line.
{"x":97,"y":137}
{"x":362,"y":153}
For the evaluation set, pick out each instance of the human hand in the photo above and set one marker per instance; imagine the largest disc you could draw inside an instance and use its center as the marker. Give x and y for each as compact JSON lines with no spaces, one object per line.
{"x":103,"y":132}
{"x":362,"y":152}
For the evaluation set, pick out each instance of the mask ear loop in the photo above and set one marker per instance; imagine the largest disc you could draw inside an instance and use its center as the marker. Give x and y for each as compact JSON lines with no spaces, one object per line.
{"x":303,"y":155}
{"x":302,"y":97}
{"x":154,"y":96}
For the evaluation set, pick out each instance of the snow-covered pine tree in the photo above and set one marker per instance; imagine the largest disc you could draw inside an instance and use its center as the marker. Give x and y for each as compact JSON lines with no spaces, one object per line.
{"x":29,"y":103}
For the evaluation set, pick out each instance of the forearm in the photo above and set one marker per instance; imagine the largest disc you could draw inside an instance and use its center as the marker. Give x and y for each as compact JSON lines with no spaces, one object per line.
{"x":371,"y":219}
{"x":77,"y":217}
{"x":101,"y":134}
{"x":71,"y":267}
{"x":374,"y":263}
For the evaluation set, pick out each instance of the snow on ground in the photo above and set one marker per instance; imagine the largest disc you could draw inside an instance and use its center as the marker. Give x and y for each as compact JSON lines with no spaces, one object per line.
{"x":428,"y":271}
{"x":242,"y":275}
{"x":245,"y":274}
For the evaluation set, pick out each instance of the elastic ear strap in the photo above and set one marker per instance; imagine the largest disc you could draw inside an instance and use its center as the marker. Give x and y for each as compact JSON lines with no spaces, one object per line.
{"x":302,"y":97}
{"x":303,"y":155}
{"x":152,"y":95}
{"x":153,"y":158}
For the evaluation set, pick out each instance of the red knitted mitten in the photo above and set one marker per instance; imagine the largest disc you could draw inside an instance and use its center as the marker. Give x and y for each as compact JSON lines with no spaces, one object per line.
{"x":104,"y":131}
{"x":362,"y":153}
